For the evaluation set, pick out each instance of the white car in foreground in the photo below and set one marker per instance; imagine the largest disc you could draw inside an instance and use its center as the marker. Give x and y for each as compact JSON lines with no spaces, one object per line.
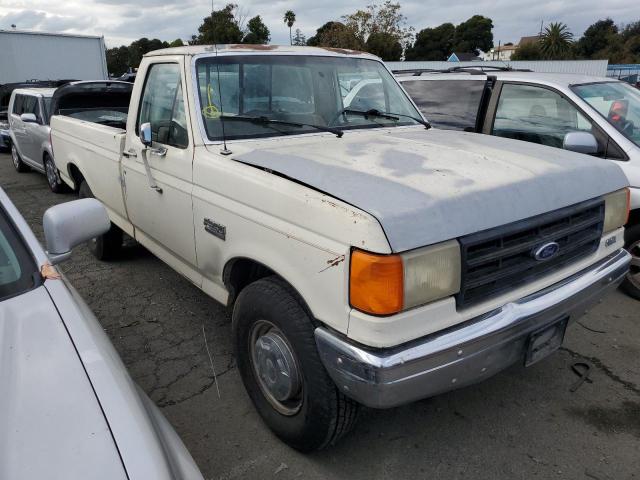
{"x":68,"y":408}
{"x":602,"y":114}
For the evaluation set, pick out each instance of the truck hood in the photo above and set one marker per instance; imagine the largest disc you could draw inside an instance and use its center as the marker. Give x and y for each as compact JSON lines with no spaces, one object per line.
{"x":429,"y":186}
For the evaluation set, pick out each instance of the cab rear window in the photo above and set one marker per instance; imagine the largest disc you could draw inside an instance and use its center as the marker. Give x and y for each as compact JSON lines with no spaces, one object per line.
{"x":451,"y":105}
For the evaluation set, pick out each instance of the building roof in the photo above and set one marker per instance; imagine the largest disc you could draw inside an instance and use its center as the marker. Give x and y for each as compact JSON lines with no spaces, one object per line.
{"x":50,"y":34}
{"x":240,"y":48}
{"x":530,"y":39}
{"x":504,"y":48}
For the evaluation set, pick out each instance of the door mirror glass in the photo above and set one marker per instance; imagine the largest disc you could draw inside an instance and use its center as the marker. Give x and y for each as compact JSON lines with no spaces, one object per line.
{"x":69,"y":224}
{"x":28,"y":118}
{"x":145,"y":134}
{"x":581,"y":142}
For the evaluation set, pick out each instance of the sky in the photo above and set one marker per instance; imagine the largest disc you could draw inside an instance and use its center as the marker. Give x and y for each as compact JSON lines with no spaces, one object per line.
{"x":122,"y":21}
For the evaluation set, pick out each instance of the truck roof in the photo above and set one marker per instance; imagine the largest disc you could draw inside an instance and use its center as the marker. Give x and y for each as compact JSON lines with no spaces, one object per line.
{"x":552,"y":79}
{"x":248,"y":48}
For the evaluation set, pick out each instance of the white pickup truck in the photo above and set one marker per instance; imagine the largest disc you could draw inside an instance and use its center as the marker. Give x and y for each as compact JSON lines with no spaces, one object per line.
{"x":367,"y":258}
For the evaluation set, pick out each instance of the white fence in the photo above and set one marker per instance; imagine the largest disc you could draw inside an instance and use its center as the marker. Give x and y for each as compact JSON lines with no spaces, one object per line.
{"x":594,"y":68}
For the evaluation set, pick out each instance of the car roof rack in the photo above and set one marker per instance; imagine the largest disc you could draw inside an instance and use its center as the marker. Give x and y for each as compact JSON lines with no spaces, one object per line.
{"x":470,"y":69}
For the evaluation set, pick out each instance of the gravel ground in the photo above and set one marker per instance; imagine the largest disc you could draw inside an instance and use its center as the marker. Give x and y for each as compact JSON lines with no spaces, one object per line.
{"x":522,"y":423}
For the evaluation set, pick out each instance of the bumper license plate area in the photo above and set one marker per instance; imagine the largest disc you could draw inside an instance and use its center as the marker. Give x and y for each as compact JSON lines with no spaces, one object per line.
{"x":545,"y":341}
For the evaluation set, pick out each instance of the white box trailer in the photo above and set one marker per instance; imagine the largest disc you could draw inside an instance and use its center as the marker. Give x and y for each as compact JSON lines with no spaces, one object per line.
{"x":27,"y":55}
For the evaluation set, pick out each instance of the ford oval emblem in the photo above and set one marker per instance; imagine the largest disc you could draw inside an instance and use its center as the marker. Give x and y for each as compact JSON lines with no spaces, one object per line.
{"x":546,"y":251}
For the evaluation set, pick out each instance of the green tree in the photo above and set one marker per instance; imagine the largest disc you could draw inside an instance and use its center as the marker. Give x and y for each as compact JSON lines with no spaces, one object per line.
{"x":527,"y":51}
{"x":385,"y":46}
{"x":142,"y":46}
{"x":299,"y":38}
{"x":432,"y":43}
{"x":335,"y":35}
{"x":222,"y":26}
{"x":177,"y":43}
{"x":257,"y":32}
{"x":596,"y":39}
{"x":473,"y":35}
{"x":386,"y":18}
{"x":117,"y":60}
{"x":556,"y":42}
{"x":290,"y":19}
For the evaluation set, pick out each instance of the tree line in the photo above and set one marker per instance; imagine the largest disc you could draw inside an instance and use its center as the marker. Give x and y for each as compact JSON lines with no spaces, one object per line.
{"x":382,"y":29}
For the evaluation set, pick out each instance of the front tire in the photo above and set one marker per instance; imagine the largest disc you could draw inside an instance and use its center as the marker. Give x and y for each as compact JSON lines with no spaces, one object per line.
{"x":108,"y":245}
{"x":53,"y":176}
{"x":281,"y":370}
{"x":18,"y":164}
{"x":631,"y":283}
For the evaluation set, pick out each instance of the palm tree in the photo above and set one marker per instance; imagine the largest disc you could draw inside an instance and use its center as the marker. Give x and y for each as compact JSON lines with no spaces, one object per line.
{"x":556,"y":41}
{"x":290,"y":19}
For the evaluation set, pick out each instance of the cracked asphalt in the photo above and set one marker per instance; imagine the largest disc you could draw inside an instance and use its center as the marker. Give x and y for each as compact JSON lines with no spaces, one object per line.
{"x":522,"y":423}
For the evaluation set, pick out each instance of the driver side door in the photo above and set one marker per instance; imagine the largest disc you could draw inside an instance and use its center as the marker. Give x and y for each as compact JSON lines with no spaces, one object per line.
{"x":158,"y":179}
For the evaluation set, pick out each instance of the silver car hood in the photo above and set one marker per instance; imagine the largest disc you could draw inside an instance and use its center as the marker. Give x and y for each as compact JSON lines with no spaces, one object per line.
{"x":51,"y":424}
{"x":429,"y":186}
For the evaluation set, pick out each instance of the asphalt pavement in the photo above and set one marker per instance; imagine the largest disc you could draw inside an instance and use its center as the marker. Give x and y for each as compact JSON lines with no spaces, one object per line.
{"x":520,"y":424}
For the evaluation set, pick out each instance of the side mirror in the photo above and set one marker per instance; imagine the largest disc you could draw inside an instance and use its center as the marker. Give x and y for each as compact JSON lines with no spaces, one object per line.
{"x":28,"y":118}
{"x":145,"y":134}
{"x":581,"y":142}
{"x":69,"y":224}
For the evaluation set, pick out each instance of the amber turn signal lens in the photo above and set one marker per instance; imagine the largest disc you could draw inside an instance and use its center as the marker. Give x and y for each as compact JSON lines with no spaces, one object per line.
{"x":376,"y":283}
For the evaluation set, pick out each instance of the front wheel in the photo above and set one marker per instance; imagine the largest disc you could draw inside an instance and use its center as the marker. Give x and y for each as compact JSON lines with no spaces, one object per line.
{"x":19,"y":165}
{"x":53,"y":176}
{"x":108,"y":245}
{"x":282,"y":371}
{"x":631,"y":283}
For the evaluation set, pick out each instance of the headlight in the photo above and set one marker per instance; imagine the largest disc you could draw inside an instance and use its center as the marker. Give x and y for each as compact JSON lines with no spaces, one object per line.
{"x":616,"y":209}
{"x":388,"y":284}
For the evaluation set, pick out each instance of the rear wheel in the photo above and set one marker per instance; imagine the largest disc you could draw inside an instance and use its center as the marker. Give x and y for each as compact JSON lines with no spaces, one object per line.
{"x":108,"y":245}
{"x":631,"y":283}
{"x":282,"y":371}
{"x":19,"y":165}
{"x":53,"y":176}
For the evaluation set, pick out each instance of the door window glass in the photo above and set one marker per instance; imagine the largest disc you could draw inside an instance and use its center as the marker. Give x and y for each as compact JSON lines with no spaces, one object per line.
{"x":30,"y":105}
{"x":17,"y":105}
{"x":448,"y":104}
{"x":163,"y":105}
{"x":538,"y":115}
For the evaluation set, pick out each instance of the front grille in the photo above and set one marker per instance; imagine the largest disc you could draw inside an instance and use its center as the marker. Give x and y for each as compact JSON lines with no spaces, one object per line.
{"x":497,"y":260}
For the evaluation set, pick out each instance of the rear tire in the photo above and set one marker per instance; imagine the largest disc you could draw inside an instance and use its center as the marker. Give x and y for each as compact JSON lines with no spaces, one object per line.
{"x":631,"y":283}
{"x":108,"y":245}
{"x":53,"y":175}
{"x":19,"y":165}
{"x":312,"y":413}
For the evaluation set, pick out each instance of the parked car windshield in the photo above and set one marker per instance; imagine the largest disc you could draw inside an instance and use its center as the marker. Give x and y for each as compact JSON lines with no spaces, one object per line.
{"x":618,"y":102}
{"x":299,"y":89}
{"x":17,"y":267}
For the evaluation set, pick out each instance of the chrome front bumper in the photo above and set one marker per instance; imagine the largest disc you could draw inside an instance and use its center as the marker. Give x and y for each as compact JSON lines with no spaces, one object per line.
{"x":464,"y":354}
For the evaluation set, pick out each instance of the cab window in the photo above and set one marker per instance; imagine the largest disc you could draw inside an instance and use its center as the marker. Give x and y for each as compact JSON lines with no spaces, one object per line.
{"x":163,"y":105}
{"x":537,"y":115}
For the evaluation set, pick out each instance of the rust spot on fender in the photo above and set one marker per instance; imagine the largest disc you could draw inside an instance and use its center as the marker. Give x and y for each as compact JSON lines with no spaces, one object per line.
{"x":334,"y":262}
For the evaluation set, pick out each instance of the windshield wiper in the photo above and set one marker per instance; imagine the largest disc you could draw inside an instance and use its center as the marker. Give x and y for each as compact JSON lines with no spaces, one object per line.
{"x":262,"y":120}
{"x":388,"y":115}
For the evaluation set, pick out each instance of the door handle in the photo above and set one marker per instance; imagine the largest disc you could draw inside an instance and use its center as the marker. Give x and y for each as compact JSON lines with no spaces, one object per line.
{"x":158,"y":152}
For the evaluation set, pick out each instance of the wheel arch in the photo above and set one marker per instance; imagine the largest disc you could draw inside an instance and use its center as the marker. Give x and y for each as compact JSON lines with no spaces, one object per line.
{"x":76,"y":175}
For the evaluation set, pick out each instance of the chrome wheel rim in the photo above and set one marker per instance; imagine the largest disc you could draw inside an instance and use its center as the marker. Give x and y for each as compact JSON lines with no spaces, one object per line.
{"x":14,"y":156}
{"x":275,"y":368}
{"x":634,"y":271}
{"x":52,"y":176}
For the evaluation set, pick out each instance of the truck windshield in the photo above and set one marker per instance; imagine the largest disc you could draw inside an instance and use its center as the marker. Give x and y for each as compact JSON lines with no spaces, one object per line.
{"x":322,"y":91}
{"x":618,"y":102}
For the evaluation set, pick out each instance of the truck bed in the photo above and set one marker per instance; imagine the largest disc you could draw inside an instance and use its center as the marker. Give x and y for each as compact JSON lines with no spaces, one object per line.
{"x":93,"y":150}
